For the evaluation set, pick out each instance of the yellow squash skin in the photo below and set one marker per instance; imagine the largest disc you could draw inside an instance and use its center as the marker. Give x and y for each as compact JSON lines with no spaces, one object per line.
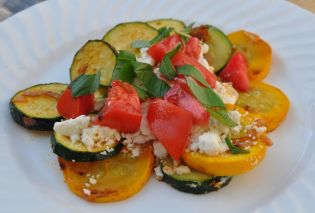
{"x":117,"y":178}
{"x":257,"y":52}
{"x":266,"y":102}
{"x":226,"y":164}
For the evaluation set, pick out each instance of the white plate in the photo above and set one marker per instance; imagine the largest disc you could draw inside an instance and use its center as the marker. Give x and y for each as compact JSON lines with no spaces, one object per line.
{"x":38,"y":44}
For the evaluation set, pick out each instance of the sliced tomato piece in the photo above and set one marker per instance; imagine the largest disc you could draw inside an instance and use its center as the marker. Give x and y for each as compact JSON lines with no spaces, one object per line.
{"x":122,"y":108}
{"x":178,"y":96}
{"x":171,"y":125}
{"x":70,"y":107}
{"x":193,"y":48}
{"x":158,"y":50}
{"x":236,"y":72}
{"x":181,"y":59}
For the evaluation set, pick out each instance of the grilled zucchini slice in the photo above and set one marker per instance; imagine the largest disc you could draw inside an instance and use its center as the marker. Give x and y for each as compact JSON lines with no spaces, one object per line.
{"x":93,"y":56}
{"x":220,"y":47}
{"x":113,"y":179}
{"x":63,"y":147}
{"x":35,"y":107}
{"x":194,"y":182}
{"x":122,"y":35}
{"x":174,"y":23}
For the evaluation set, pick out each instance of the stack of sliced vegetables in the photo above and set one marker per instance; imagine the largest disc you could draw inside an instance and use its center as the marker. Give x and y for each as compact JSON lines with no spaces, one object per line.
{"x":186,"y":102}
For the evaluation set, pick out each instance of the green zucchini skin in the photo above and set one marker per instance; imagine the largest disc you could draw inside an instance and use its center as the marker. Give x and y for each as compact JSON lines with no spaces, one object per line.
{"x":196,"y":187}
{"x":30,"y":121}
{"x":78,"y":156}
{"x":194,"y":182}
{"x":220,"y":47}
{"x":83,"y":56}
{"x":40,"y":124}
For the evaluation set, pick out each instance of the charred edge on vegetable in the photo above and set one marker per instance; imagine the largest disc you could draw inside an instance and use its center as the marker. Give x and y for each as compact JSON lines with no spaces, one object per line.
{"x":196,"y":187}
{"x":78,"y":156}
{"x":40,"y":124}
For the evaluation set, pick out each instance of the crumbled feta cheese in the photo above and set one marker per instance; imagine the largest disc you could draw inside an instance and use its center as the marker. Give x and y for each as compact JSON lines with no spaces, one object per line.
{"x":86,"y":191}
{"x":135,"y":152}
{"x":260,"y":129}
{"x":159,"y":150}
{"x":236,"y":117}
{"x":158,"y":171}
{"x":193,"y":185}
{"x":92,"y":180}
{"x":226,"y":92}
{"x":201,"y":59}
{"x":145,"y":57}
{"x":182,"y":170}
{"x":99,"y":136}
{"x":72,"y":127}
{"x":209,"y":143}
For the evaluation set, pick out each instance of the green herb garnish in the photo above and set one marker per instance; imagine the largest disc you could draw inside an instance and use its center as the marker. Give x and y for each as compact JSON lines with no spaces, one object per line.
{"x":124,"y":66}
{"x":222,"y":117}
{"x":184,"y":34}
{"x":166,"y":67}
{"x":163,"y":32}
{"x":151,"y":82}
{"x":191,"y":71}
{"x":234,"y":149}
{"x":85,"y":84}
{"x":205,"y":95}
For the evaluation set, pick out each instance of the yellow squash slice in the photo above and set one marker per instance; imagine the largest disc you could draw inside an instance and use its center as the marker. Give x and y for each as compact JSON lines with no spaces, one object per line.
{"x":113,"y":179}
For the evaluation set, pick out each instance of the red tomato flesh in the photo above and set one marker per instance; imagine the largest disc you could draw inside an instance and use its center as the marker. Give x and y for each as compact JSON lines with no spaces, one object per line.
{"x":70,"y":107}
{"x":236,"y":71}
{"x":192,"y":48}
{"x":171,"y":125}
{"x":122,"y":108}
{"x":178,"y":96}
{"x":181,"y":59}
{"x":158,"y":50}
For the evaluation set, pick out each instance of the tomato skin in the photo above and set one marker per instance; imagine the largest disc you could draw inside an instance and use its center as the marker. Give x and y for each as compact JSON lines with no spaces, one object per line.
{"x":236,"y":71}
{"x":71,"y":107}
{"x":158,"y":50}
{"x":122,"y":109}
{"x":171,"y":125}
{"x":181,"y":59}
{"x":193,"y":48}
{"x":179,"y":97}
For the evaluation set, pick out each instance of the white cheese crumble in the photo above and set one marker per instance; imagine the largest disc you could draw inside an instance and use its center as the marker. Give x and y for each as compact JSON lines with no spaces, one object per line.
{"x":72,"y":127}
{"x":159,"y":150}
{"x":145,"y":57}
{"x":181,"y":170}
{"x":201,"y":59}
{"x":226,"y":92}
{"x":142,"y":136}
{"x":92,"y":180}
{"x":158,"y":171}
{"x":86,"y":191}
{"x":236,"y":117}
{"x":209,"y":143}
{"x":99,"y":136}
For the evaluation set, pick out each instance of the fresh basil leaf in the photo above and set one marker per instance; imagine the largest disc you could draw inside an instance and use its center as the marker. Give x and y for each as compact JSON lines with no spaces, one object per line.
{"x":143,"y":94}
{"x":191,"y":71}
{"x":166,"y":67}
{"x":163,"y":32}
{"x":155,"y":86}
{"x":85,"y":84}
{"x":188,"y":28}
{"x":205,"y":95}
{"x":234,"y":149}
{"x":223,"y":117}
{"x":140,"y":44}
{"x":124,"y":67}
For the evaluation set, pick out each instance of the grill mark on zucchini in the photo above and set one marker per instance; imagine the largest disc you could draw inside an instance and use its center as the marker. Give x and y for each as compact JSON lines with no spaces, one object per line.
{"x":26,"y":111}
{"x":93,"y":56}
{"x":63,"y":147}
{"x":122,"y":35}
{"x":194,"y":182}
{"x":178,"y":25}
